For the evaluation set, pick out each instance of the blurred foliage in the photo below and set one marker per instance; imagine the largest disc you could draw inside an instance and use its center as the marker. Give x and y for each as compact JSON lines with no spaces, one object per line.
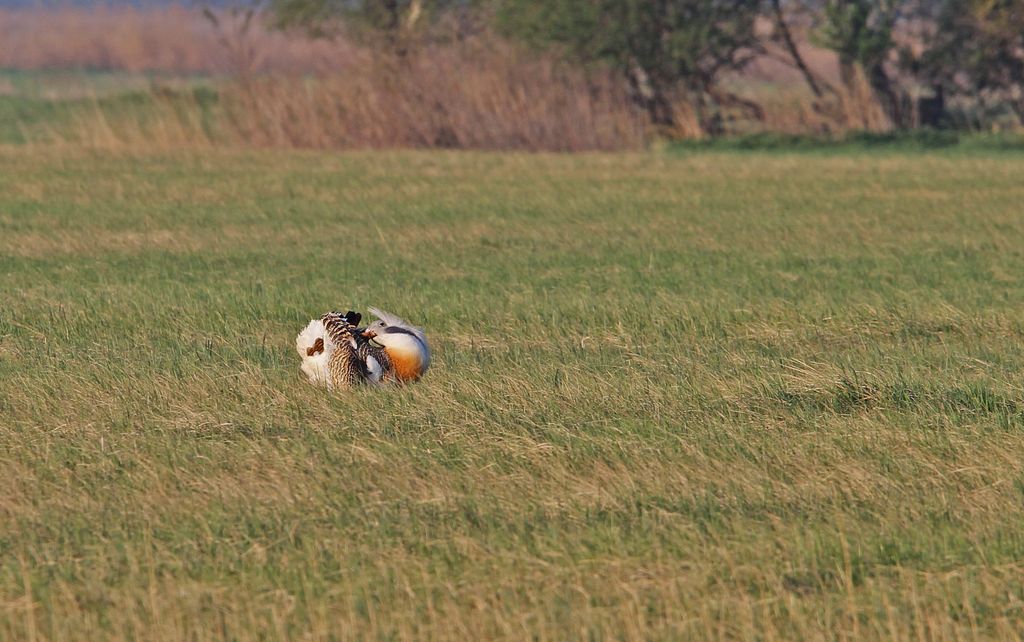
{"x":916,"y":57}
{"x":860,"y":32}
{"x":664,"y":48}
{"x":978,"y":52}
{"x":393,"y":24}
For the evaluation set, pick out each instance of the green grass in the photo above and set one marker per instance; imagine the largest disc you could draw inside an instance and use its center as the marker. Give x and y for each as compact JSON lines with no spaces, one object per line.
{"x":921,"y":140}
{"x":727,"y":396}
{"x":59,"y":106}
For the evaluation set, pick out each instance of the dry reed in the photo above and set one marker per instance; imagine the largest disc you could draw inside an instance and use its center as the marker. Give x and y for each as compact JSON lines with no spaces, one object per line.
{"x":447,"y":97}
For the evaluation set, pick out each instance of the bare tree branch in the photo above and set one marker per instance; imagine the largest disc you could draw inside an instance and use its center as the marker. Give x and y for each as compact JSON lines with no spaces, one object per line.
{"x":794,"y":52}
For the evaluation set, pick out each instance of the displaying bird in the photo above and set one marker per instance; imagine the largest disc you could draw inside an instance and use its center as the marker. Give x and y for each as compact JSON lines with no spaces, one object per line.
{"x":337,"y":354}
{"x":396,"y":350}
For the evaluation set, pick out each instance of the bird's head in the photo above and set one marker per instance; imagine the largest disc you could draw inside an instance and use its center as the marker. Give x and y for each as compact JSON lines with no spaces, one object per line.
{"x":391,"y":330}
{"x":376,"y":329}
{"x":400,"y":339}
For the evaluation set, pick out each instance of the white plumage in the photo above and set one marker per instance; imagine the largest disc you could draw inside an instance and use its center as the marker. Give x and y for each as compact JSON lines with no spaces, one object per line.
{"x":315,"y":347}
{"x":388,"y":350}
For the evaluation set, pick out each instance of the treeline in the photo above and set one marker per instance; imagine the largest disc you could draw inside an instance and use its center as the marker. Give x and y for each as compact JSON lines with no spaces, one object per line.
{"x":565,"y":75}
{"x":924,"y":63}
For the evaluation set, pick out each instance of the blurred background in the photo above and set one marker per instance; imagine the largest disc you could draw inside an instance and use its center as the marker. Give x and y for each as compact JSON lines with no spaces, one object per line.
{"x":563,"y":75}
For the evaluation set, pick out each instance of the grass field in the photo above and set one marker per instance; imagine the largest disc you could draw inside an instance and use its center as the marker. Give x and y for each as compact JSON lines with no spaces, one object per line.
{"x":693,"y":395}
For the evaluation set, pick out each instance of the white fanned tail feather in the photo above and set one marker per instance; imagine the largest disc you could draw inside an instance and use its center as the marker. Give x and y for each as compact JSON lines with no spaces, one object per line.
{"x":315,"y":367}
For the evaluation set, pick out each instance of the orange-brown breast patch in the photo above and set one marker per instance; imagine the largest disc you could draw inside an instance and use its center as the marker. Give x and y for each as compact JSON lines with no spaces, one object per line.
{"x":407,"y":366}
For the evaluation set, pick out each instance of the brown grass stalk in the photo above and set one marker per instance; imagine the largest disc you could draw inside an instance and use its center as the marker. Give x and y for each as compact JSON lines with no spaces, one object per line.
{"x":444,"y":97}
{"x":489,"y":98}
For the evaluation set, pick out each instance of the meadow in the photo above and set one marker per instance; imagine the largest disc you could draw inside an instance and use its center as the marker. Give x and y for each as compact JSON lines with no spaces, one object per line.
{"x":677,"y":394}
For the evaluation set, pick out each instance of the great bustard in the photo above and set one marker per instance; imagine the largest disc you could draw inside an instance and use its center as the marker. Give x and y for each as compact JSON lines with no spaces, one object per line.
{"x":336,"y":353}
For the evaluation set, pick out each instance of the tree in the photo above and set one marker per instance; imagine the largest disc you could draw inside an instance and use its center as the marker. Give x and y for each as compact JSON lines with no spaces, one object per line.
{"x":784,"y":35}
{"x":977,"y":51}
{"x":391,"y":22}
{"x":861,"y":32}
{"x":233,"y":26}
{"x":666,"y":49}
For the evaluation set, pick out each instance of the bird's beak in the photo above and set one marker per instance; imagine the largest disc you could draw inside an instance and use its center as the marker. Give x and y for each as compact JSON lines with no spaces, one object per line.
{"x":368,"y":334}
